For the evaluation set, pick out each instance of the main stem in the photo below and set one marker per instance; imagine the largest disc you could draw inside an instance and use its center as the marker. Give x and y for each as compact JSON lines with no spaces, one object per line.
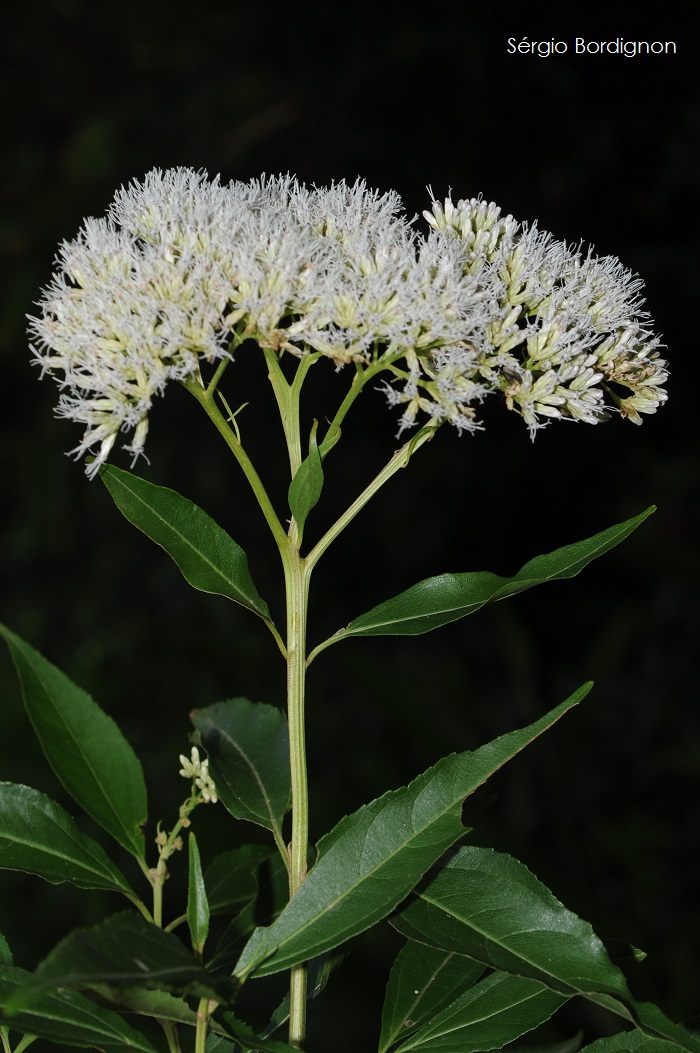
{"x":297,"y":591}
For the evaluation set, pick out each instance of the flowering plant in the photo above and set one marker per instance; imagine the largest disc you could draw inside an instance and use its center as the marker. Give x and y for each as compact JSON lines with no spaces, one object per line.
{"x":181,"y":277}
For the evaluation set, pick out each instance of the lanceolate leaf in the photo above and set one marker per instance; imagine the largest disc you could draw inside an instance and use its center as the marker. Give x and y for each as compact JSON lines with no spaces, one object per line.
{"x":306,"y":486}
{"x":423,"y":981}
{"x":494,"y":1012}
{"x":209,"y":559}
{"x":123,"y":951}
{"x":374,"y":857}
{"x":248,"y":748}
{"x":489,"y":906}
{"x":448,"y":597}
{"x":39,"y":837}
{"x":67,"y":1017}
{"x":84,"y":746}
{"x":197,"y":905}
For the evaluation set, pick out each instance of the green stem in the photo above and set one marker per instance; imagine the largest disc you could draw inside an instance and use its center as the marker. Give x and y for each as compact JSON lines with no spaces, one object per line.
{"x":287,"y":396}
{"x":297,"y":576}
{"x":172,"y":1035}
{"x":399,"y":460}
{"x":358,"y":382}
{"x":206,"y":401}
{"x":140,"y":905}
{"x":202,"y":1025}
{"x":25,"y":1041}
{"x":166,"y":848}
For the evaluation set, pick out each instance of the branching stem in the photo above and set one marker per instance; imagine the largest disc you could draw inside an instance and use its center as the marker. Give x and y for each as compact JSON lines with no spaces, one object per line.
{"x":297,"y":575}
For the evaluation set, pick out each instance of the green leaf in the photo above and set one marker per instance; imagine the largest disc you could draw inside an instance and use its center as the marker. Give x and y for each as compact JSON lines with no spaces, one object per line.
{"x":630,"y":1042}
{"x":491,"y":907}
{"x":373,"y":858}
{"x":209,"y":559}
{"x":38,"y":837}
{"x":231,"y":880}
{"x":494,"y":1012}
{"x":159,"y":1004}
{"x":218,"y":1044}
{"x":248,"y":748}
{"x":307,"y":484}
{"x":69,"y":1017}
{"x":448,"y":597}
{"x":422,"y":982}
{"x":197,"y":905}
{"x":268,"y":903}
{"x":123,"y":951}
{"x":145,"y":1002}
{"x":5,"y":952}
{"x":84,"y":746}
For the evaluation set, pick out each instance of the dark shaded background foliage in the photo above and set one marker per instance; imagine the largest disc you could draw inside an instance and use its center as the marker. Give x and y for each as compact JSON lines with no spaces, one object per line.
{"x":602,"y":149}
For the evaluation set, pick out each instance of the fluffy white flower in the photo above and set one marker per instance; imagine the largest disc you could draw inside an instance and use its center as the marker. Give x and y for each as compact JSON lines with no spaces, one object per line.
{"x":138,"y":300}
{"x":563,"y":334}
{"x":481,"y":305}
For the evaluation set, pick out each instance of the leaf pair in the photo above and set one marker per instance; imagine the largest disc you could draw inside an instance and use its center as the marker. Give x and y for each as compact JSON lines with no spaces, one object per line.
{"x":489,"y":907}
{"x":212,"y":561}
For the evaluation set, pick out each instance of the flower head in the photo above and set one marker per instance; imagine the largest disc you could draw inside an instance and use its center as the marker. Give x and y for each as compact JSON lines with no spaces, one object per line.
{"x":566,"y":332}
{"x":481,"y":305}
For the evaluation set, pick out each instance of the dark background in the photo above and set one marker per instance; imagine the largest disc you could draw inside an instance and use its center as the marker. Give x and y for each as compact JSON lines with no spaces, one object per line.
{"x":599,"y":149}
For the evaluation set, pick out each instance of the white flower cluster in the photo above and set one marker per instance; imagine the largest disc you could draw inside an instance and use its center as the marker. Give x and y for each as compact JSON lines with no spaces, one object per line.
{"x":563,"y":327}
{"x":198,"y":770}
{"x":480,"y":305}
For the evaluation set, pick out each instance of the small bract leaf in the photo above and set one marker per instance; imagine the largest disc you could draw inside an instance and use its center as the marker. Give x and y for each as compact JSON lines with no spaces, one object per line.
{"x":38,"y":837}
{"x":373,"y":858}
{"x":84,"y":746}
{"x":197,"y":905}
{"x":248,"y":748}
{"x":208,"y":557}
{"x":307,"y":484}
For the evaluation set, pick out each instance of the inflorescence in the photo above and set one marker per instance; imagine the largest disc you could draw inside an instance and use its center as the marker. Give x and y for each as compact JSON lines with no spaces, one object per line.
{"x":182,"y":269}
